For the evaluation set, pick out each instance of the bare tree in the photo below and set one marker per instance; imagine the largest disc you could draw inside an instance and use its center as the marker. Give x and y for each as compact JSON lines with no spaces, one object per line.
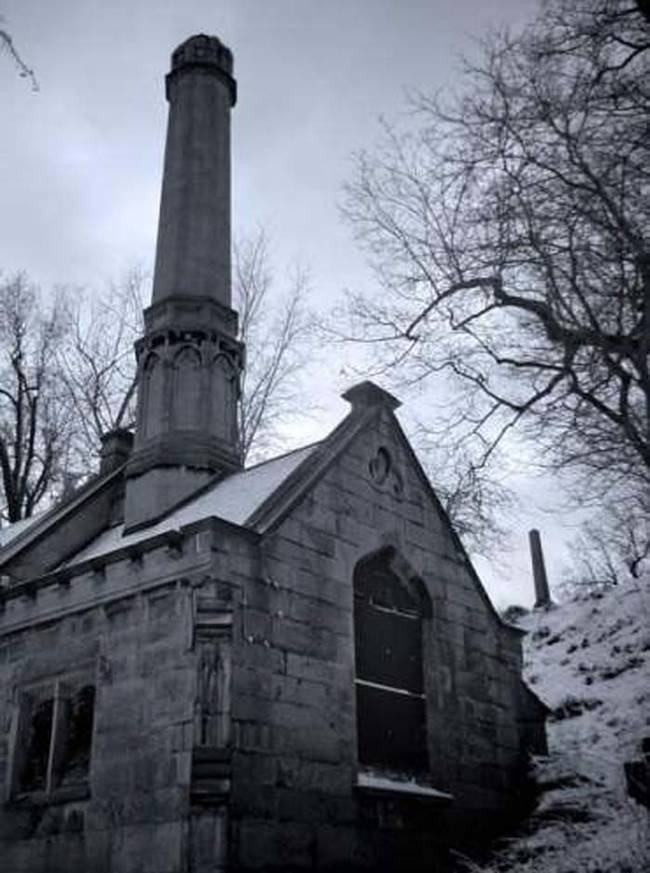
{"x":276,"y":331}
{"x":97,"y":361}
{"x":476,"y":500}
{"x":509,"y":230}
{"x":35,"y":427}
{"x":613,"y":545}
{"x":7,"y":44}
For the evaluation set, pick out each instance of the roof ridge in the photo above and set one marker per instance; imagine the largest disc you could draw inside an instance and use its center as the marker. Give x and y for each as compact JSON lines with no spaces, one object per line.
{"x":279,"y":457}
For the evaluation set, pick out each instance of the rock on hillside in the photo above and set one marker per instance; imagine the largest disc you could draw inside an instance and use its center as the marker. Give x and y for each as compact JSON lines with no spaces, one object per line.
{"x":589,"y":661}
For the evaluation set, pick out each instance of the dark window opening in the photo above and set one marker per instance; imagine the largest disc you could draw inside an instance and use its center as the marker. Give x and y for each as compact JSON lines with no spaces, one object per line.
{"x":391,"y":712}
{"x":54,"y":742}
{"x":37,"y":745}
{"x":388,"y":647}
{"x":391,"y":730}
{"x":75,"y":761}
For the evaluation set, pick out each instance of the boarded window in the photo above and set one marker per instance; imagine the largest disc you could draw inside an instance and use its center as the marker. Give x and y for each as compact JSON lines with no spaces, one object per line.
{"x":391,"y":715}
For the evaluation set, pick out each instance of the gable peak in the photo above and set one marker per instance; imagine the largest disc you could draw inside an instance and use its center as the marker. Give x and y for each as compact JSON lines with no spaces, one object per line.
{"x":366,"y":394}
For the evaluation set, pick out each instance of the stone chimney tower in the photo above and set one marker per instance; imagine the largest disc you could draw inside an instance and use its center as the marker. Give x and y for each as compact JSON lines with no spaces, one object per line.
{"x":542,"y":591}
{"x":189,"y":359}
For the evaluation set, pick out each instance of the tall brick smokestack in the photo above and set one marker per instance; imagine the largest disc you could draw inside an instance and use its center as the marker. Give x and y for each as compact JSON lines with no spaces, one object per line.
{"x":189,"y":360}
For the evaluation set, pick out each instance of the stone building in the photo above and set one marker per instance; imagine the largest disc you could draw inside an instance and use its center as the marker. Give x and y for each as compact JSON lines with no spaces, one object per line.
{"x":207,"y":668}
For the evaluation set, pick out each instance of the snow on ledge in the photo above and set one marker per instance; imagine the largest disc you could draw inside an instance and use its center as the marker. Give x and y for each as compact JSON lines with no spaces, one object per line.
{"x":372,"y":782}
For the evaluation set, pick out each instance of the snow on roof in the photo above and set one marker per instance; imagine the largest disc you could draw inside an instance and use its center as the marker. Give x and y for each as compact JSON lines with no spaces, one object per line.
{"x":9,"y":533}
{"x":233,"y":499}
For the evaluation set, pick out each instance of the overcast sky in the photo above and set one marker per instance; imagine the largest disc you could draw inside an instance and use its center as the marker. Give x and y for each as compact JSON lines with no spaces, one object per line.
{"x":81,"y":159}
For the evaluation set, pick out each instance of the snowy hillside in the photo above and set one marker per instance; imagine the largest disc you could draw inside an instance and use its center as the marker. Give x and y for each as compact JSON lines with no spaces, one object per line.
{"x":589,"y":661}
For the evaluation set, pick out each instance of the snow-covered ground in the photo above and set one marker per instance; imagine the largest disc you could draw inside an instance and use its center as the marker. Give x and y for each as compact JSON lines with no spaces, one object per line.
{"x":589,"y":661}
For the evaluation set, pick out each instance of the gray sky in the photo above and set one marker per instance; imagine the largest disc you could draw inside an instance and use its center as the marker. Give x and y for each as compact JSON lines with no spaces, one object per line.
{"x":80,"y":161}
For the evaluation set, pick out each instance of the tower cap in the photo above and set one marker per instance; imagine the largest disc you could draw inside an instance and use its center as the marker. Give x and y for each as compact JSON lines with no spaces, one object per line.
{"x":207,"y":52}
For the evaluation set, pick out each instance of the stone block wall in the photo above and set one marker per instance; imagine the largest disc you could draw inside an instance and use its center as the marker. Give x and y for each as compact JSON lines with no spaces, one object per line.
{"x":128,"y":626}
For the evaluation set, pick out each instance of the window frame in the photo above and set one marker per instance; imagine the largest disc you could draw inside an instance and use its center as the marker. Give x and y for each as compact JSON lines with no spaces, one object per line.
{"x":411,"y":603}
{"x":59,"y":690}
